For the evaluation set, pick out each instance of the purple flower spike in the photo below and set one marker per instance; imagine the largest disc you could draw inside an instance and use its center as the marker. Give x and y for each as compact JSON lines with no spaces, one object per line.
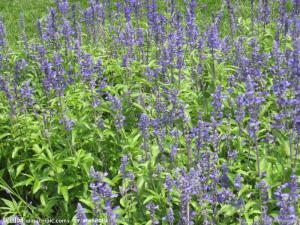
{"x":80,"y":215}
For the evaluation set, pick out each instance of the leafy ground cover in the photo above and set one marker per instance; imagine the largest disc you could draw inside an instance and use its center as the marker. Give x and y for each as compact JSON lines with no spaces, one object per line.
{"x":151,"y":112}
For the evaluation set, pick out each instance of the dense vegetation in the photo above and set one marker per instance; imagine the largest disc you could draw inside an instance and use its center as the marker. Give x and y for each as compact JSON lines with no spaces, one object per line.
{"x":152,"y":112}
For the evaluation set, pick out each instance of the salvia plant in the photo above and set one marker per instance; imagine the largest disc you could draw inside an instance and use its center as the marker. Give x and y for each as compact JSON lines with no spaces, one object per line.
{"x":152,"y":112}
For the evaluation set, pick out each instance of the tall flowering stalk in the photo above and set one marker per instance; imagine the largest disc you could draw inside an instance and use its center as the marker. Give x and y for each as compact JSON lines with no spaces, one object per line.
{"x":80,"y":215}
{"x":116,"y":106}
{"x":102,"y":197}
{"x":2,"y":34}
{"x":23,"y":33}
{"x":144,"y":124}
{"x":264,"y":199}
{"x":287,"y":202}
{"x":213,"y":44}
{"x":232,"y":20}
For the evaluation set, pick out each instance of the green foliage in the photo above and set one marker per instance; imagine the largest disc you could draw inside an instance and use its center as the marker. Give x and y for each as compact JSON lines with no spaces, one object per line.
{"x":46,"y":165}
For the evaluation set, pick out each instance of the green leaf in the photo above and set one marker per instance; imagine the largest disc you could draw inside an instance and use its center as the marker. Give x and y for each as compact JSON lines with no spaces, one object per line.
{"x":9,"y":203}
{"x":2,"y":136}
{"x":36,"y":186}
{"x":250,"y":205}
{"x":140,"y":184}
{"x":37,"y":149}
{"x":244,"y":190}
{"x":42,"y":199}
{"x":15,"y":152}
{"x":123,"y":201}
{"x":86,"y":202}
{"x":24,"y":182}
{"x":74,"y":136}
{"x":65,"y":193}
{"x":227,"y":210}
{"x":262,"y":164}
{"x":148,"y":199}
{"x":20,"y":168}
{"x":49,"y":153}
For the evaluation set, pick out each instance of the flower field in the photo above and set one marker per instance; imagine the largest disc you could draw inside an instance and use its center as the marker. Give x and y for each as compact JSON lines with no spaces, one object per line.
{"x":143,"y":112}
